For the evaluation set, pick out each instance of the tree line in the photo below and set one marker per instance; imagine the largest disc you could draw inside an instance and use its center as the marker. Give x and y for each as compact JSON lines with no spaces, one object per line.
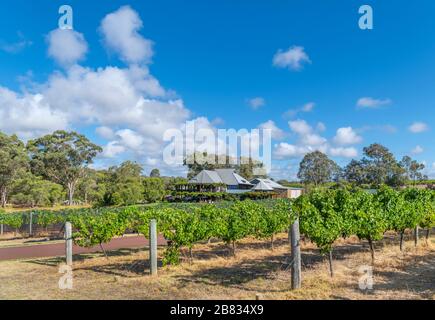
{"x":377,"y":167}
{"x":55,"y":169}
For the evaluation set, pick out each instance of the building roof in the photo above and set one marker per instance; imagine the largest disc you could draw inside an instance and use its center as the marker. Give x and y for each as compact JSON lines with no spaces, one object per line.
{"x":231,"y":178}
{"x":206,"y":177}
{"x":226,"y":176}
{"x":269,"y":183}
{"x":262,"y":186}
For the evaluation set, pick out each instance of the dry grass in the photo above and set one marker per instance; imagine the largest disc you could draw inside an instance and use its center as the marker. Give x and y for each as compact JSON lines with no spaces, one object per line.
{"x":213,"y":275}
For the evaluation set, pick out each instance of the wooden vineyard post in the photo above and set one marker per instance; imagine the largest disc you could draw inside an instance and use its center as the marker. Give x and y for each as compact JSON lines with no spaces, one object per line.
{"x":295,"y":255}
{"x":416,"y":236}
{"x":153,"y":247}
{"x":30,"y":224}
{"x":68,"y":243}
{"x":1,"y":229}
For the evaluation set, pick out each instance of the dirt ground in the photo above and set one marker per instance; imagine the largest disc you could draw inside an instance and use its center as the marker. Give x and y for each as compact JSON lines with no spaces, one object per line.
{"x":215,"y":275}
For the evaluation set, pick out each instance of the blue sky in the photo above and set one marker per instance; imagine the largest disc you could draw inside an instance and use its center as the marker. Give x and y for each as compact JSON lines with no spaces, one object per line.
{"x":213,"y":58}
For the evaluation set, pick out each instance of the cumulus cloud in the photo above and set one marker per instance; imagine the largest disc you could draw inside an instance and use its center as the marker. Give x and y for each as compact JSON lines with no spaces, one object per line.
{"x":349,"y":152}
{"x":29,"y":115}
{"x":308,"y":141}
{"x":417,"y":150}
{"x":418,"y":127}
{"x":293,"y":58}
{"x":277,"y":133}
{"x":120,"y":31}
{"x":306,"y":133}
{"x":130,"y":139}
{"x":127,"y":106}
{"x":308,"y":107}
{"x":75,"y":97}
{"x":285,"y":150}
{"x":105,"y":132}
{"x":300,"y":127}
{"x":15,"y":47}
{"x":371,"y":103}
{"x":112,"y":149}
{"x":66,"y":46}
{"x":256,"y":103}
{"x":346,"y":136}
{"x":429,"y":170}
{"x":312,"y":139}
{"x":320,"y":127}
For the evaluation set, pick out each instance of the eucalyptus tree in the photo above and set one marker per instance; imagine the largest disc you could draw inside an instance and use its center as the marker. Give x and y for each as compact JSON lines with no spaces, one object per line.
{"x":380,"y":166}
{"x":413,"y":169}
{"x":317,"y":168}
{"x":13,"y":161}
{"x":62,"y":157}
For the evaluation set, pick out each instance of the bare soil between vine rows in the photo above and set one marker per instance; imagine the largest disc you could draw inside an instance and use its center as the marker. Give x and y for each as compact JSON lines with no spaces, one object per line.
{"x":256,"y":270}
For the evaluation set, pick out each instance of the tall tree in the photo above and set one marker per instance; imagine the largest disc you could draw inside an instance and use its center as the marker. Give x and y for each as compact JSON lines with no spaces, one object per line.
{"x":381,"y":166}
{"x":355,"y":172}
{"x":127,"y":169}
{"x":155,"y":173}
{"x":30,"y":190}
{"x":317,"y":168}
{"x":13,"y":160}
{"x":62,"y":157}
{"x":412,"y":169}
{"x":123,"y":185}
{"x":154,"y":189}
{"x":92,"y":186}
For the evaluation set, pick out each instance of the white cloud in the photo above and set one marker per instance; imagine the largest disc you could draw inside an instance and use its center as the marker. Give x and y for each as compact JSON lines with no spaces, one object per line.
{"x":256,"y":103}
{"x":418,"y":127}
{"x":320,"y":127}
{"x":15,"y":47}
{"x":112,"y":149}
{"x":66,"y":46}
{"x":306,"y":133}
{"x":346,"y":136}
{"x":429,"y":170}
{"x":127,"y":106}
{"x":29,"y":115}
{"x":300,"y":127}
{"x":417,"y":150}
{"x":277,"y":133}
{"x":285,"y":150}
{"x":130,"y":139}
{"x":293,"y":58}
{"x":308,"y":107}
{"x":120,"y":31}
{"x":105,"y":132}
{"x":343,"y":152}
{"x":371,"y":103}
{"x":313,"y":139}
{"x":309,"y":141}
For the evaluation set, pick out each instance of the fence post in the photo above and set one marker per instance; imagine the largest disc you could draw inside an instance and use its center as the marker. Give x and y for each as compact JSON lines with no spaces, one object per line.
{"x":1,"y":229}
{"x":68,"y":243}
{"x":416,"y":236}
{"x":30,"y":224}
{"x":295,"y":255}
{"x":153,"y":246}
